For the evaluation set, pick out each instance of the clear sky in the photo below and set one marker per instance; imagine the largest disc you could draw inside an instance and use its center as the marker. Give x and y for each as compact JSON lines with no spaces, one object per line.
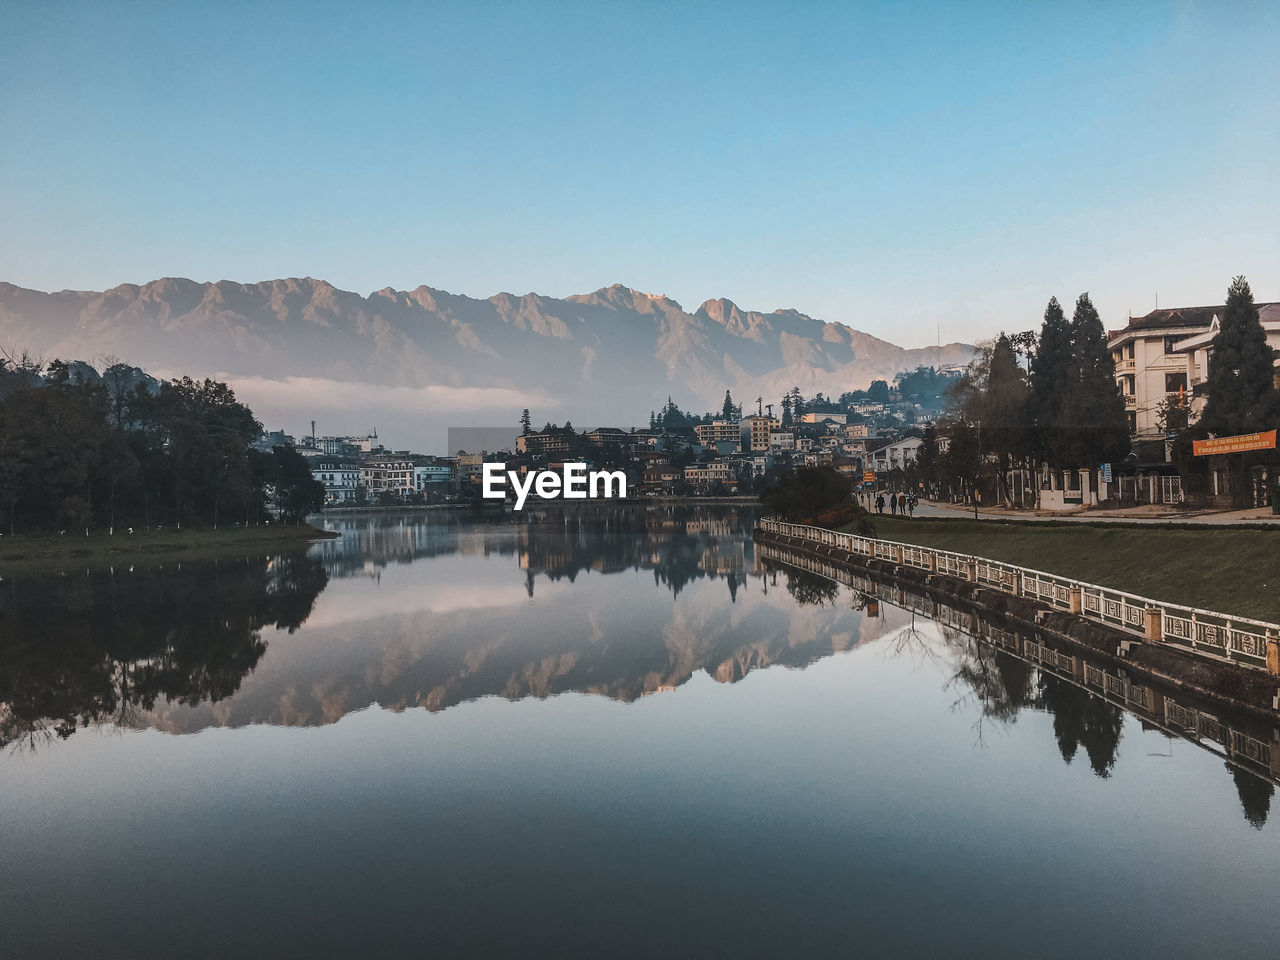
{"x":891,"y":166}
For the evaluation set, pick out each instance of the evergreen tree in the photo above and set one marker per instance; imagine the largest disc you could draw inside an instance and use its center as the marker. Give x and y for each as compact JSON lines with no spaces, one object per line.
{"x":1002,"y":410}
{"x":786,"y":409}
{"x":929,"y":457}
{"x":1096,"y":426}
{"x":797,"y":404}
{"x":1241,"y":374}
{"x":1050,"y":382}
{"x":526,"y":422}
{"x":727,"y":410}
{"x":961,"y":462}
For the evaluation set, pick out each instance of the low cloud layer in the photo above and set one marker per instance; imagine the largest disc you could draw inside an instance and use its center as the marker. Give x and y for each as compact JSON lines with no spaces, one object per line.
{"x":405,"y":417}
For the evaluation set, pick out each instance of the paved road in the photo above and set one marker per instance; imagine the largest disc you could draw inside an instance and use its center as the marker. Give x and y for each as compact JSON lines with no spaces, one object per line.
{"x":1144,"y":514}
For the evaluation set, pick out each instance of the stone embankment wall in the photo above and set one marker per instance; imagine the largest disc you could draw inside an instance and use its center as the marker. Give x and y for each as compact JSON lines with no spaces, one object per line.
{"x":1222,"y":681}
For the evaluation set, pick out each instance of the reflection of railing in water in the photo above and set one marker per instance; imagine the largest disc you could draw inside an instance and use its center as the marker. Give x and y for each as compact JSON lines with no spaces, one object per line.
{"x":1252,"y":643}
{"x":1206,"y":729}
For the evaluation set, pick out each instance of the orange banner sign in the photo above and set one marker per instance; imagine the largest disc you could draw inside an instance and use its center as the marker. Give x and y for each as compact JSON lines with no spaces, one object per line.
{"x":1248,"y":441}
{"x":868,"y":477}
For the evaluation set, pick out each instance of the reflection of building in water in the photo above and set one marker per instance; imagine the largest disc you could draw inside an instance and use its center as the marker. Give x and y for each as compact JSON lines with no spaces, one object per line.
{"x":723,"y":556}
{"x":678,"y":542}
{"x":1085,"y":695}
{"x":679,"y":545}
{"x":711,"y":527}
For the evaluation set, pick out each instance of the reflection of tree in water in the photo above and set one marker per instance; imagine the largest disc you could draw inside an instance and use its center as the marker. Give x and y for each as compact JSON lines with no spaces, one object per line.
{"x":104,"y":646}
{"x":1255,"y":796}
{"x":1004,"y":685}
{"x":1000,"y":682}
{"x":1082,"y":720}
{"x":811,"y":589}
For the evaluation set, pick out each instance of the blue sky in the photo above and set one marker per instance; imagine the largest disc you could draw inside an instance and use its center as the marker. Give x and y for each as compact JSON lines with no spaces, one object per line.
{"x":895,"y":167}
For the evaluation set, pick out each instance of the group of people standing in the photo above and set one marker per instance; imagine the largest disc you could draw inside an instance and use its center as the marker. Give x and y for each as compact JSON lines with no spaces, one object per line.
{"x":899,"y":503}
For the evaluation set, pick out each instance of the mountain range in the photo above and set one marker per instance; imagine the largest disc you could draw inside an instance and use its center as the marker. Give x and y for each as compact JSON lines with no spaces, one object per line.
{"x":304,"y":348}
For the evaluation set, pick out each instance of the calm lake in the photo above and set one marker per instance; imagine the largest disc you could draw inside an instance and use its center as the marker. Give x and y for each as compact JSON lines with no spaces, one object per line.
{"x":619,"y":733}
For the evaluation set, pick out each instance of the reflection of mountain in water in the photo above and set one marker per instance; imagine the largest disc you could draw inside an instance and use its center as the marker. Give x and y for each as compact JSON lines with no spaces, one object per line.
{"x":571,"y":625}
{"x":108,"y":645}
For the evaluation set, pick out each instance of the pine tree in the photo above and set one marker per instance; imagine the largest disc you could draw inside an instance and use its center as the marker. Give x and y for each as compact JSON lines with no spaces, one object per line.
{"x":1002,"y":410}
{"x":1096,"y":426}
{"x":526,"y":422}
{"x":1241,"y":373}
{"x":727,"y":410}
{"x":1049,"y":385}
{"x":786,"y":409}
{"x":929,"y":457}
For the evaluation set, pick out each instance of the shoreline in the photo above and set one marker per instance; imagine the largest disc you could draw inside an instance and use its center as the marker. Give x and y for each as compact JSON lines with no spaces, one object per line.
{"x":43,"y":553}
{"x":1244,"y":688}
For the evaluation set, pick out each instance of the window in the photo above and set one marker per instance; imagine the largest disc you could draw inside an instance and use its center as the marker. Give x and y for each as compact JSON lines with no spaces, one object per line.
{"x":1133,"y":421}
{"x":1128,"y":350}
{"x":1169,"y":343}
{"x":1175,"y":382}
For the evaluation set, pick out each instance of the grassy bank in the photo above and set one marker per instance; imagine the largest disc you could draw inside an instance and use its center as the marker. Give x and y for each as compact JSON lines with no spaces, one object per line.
{"x":51,"y":551}
{"x":1231,"y":570}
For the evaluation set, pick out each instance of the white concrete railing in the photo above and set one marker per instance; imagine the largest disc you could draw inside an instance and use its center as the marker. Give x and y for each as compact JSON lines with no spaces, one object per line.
{"x":1219,"y":636}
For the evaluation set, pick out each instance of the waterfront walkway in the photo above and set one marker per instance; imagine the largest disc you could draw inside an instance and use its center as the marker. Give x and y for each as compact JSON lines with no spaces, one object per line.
{"x":1147,"y":513}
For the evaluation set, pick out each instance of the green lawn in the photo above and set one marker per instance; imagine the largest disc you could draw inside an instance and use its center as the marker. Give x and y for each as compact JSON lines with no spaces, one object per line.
{"x":51,"y":551}
{"x":1230,"y":570}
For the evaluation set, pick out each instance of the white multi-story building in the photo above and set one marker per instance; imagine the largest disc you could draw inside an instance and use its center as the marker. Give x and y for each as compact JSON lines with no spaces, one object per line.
{"x":341,"y":478}
{"x":896,"y":455}
{"x":1166,"y":354}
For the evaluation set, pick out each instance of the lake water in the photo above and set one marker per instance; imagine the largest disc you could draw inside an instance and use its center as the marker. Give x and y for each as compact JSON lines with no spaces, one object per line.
{"x":616,"y":734}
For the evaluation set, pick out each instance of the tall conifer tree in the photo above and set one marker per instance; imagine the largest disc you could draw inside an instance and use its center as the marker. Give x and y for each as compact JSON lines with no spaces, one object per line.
{"x":1002,"y":410}
{"x":1050,"y":383}
{"x":1241,"y":369}
{"x":1096,"y":426}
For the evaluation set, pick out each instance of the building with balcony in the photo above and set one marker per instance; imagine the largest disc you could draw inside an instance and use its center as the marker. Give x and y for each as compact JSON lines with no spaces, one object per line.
{"x":387,"y":475}
{"x":547,"y":443}
{"x":341,"y":478}
{"x":719,"y":431}
{"x":1166,"y":354}
{"x":896,"y":454}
